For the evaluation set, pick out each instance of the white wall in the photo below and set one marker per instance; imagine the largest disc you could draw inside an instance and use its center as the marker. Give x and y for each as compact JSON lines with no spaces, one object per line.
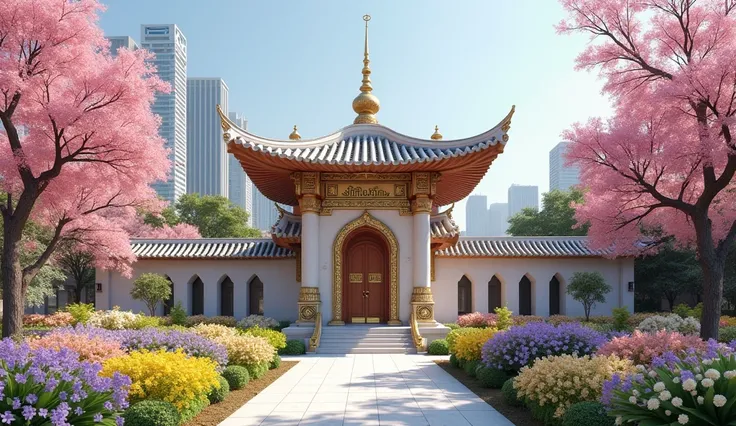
{"x":448,"y":271}
{"x":280,"y":289}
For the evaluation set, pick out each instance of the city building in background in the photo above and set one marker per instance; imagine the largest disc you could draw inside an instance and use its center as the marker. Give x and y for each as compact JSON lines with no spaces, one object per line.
{"x":241,"y":187}
{"x":560,"y":176}
{"x":117,"y":42}
{"x":207,"y":158}
{"x":264,"y":213}
{"x":169,"y":45}
{"x":522,"y":196}
{"x":498,"y":219}
{"x":476,"y":216}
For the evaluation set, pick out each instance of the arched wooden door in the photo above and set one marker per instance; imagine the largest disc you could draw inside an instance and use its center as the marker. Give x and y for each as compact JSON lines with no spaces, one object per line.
{"x":365,"y":278}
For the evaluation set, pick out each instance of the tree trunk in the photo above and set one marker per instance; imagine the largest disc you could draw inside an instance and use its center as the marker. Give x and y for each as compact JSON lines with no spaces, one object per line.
{"x":712,"y":295}
{"x":13,"y":299}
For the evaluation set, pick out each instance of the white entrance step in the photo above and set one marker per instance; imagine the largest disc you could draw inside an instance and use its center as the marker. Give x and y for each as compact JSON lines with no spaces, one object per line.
{"x":366,"y":339}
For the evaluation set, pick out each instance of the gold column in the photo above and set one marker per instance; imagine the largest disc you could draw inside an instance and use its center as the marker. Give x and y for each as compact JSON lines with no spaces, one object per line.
{"x":309,"y":304}
{"x":307,"y":188}
{"x":423,"y":188}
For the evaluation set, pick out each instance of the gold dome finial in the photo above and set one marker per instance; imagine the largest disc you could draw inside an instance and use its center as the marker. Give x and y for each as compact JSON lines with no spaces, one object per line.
{"x":366,"y":103}
{"x":436,"y":135}
{"x":295,"y":136}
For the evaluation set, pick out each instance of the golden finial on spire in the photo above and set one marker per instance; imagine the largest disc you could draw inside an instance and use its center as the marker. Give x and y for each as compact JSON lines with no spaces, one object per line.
{"x":295,"y":136}
{"x":436,"y":135}
{"x":366,"y":103}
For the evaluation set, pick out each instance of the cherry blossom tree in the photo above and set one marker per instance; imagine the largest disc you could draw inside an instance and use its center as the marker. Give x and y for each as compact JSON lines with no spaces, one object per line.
{"x":666,"y":158}
{"x":79,"y":140}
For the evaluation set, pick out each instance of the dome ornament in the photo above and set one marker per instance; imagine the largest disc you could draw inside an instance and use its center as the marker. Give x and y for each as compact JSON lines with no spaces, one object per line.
{"x":366,"y":104}
{"x":436,"y":136}
{"x":295,"y":136}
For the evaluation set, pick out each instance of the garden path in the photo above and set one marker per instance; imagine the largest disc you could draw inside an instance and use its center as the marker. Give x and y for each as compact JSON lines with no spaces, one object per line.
{"x":366,"y":390}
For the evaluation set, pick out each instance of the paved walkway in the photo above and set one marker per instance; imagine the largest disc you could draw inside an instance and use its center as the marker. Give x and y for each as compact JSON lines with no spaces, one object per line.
{"x":366,"y":390}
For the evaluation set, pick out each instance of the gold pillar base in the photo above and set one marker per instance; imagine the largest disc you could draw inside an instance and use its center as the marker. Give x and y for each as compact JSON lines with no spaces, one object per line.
{"x":336,"y":322}
{"x":422,"y":304}
{"x":309,"y":305}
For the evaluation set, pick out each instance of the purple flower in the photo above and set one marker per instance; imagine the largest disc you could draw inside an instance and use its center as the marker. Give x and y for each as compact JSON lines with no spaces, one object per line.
{"x":28,"y":412}
{"x":7,"y":417}
{"x":97,"y":417}
{"x":31,"y":398}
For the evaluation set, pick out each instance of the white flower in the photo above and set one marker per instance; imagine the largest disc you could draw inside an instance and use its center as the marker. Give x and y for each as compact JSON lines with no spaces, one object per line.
{"x":729,"y":374}
{"x":619,"y":420}
{"x":698,"y":377}
{"x":641,"y":368}
{"x":707,"y":383}
{"x":658,"y":387}
{"x":689,"y":384}
{"x":693,"y":393}
{"x":707,"y":362}
{"x":653,"y":404}
{"x":683,"y":419}
{"x":667,"y":412}
{"x":665,"y":395}
{"x":713,"y":374}
{"x":696,"y":369}
{"x":719,"y":400}
{"x":632,"y":399}
{"x":635,"y":392}
{"x":676,"y":371}
{"x":675,"y":380}
{"x":652,"y":374}
{"x":701,"y":400}
{"x":677,"y":401}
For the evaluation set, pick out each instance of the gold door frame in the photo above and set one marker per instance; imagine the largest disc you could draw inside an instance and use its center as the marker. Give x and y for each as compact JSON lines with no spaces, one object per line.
{"x":365,"y":220}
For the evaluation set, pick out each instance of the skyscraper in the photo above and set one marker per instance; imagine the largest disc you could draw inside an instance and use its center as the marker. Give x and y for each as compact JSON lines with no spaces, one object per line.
{"x":522,"y":196}
{"x":241,"y":187}
{"x":116,"y":42}
{"x":561,"y":176}
{"x":169,"y":45}
{"x":264,"y":212}
{"x":476,"y":216}
{"x":498,"y":219}
{"x":207,"y":158}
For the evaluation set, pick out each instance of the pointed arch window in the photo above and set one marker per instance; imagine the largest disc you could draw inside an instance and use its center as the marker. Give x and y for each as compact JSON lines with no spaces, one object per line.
{"x":255,"y":297}
{"x":554,"y":296}
{"x":494,"y":294}
{"x":464,"y":296}
{"x":169,"y":303}
{"x":197,"y":297}
{"x":227,"y":290}
{"x":525,"y":296}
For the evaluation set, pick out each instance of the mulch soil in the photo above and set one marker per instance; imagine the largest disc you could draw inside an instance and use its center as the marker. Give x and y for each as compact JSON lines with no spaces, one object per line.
{"x":213,"y":414}
{"x":520,"y":416}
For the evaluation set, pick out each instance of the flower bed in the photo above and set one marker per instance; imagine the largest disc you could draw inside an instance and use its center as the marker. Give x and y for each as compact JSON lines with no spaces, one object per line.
{"x":88,"y":348}
{"x":42,"y":385}
{"x":58,"y":319}
{"x":641,"y":348}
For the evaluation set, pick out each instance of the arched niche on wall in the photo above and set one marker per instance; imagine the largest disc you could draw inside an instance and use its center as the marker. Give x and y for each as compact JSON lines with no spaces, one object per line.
{"x":464,"y":296}
{"x":495,"y":294}
{"x":525,"y":296}
{"x":555,"y":296}
{"x":169,"y":302}
{"x":197,"y":296}
{"x":227,"y":297}
{"x":255,"y":296}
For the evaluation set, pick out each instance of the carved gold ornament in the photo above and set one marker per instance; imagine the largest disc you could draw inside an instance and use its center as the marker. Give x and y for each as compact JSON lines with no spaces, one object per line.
{"x":355,"y":277}
{"x":375,"y":277}
{"x":309,"y":304}
{"x":310,"y":204}
{"x":422,"y":304}
{"x":365,"y":220}
{"x":421,"y":205}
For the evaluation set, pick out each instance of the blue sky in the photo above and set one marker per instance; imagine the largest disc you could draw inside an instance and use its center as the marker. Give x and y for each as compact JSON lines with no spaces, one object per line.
{"x":460,"y":65}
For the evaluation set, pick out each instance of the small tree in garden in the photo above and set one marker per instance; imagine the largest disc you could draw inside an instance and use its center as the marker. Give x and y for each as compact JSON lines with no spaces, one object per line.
{"x":666,"y":159}
{"x":151,"y":289}
{"x":588,"y":288}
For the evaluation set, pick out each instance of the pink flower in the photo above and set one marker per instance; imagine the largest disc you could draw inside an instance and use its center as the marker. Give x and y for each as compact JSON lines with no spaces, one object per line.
{"x":642,"y":347}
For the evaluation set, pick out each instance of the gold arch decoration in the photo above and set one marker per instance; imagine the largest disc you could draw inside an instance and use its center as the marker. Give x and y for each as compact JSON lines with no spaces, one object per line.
{"x":365,"y":220}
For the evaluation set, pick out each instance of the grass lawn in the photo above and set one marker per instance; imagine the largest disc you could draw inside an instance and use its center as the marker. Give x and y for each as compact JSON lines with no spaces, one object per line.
{"x":213,"y":414}
{"x":520,"y":416}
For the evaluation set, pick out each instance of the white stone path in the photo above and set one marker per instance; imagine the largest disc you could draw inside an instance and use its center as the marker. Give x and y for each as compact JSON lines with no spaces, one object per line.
{"x":366,"y":390}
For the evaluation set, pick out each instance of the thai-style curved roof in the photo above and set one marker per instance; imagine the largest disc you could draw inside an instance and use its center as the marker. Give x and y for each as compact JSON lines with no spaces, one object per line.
{"x":366,"y":148}
{"x":465,"y":247}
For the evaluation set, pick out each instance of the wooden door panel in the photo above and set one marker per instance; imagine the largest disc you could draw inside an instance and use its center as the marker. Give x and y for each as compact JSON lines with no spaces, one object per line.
{"x":375,"y":282}
{"x":355,"y":286}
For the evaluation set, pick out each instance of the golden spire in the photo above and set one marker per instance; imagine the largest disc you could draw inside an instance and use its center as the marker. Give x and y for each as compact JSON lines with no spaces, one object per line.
{"x":366,"y":103}
{"x":295,"y":136}
{"x":436,"y":135}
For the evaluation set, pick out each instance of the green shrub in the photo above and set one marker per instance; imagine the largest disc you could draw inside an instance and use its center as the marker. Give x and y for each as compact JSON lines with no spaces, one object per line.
{"x":587,"y":413}
{"x":727,"y":334}
{"x":544,"y":413}
{"x":509,"y":394}
{"x":178,"y":314}
{"x":471,"y":367}
{"x":143,"y":321}
{"x":282,"y":325}
{"x":621,"y":318}
{"x":503,"y":318}
{"x":293,"y":347}
{"x":438,"y":347}
{"x":237,"y":377}
{"x":685,"y":311}
{"x":80,"y":311}
{"x":219,"y":394}
{"x":275,"y":363}
{"x":152,"y":413}
{"x":194,"y":408}
{"x":451,"y":325}
{"x":277,"y":339}
{"x":257,"y":371}
{"x":492,"y":377}
{"x":454,"y":361}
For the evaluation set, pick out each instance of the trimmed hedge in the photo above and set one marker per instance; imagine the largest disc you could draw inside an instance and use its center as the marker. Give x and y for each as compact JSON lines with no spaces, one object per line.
{"x":152,"y":413}
{"x":439,"y":347}
{"x":471,"y":367}
{"x":237,"y":377}
{"x":219,"y":395}
{"x":293,"y":347}
{"x":587,"y":413}
{"x":275,"y":363}
{"x":509,"y":394}
{"x":492,"y":377}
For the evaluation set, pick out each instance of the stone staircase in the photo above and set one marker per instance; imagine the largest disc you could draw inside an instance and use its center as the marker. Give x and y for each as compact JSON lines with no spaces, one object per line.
{"x":366,"y":339}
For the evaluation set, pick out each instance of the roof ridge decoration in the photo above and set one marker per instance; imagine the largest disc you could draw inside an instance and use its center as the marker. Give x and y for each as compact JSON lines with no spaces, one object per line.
{"x":366,"y":104}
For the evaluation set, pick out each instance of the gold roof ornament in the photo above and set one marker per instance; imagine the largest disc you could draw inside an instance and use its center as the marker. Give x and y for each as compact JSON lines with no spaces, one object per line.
{"x":436,"y":136}
{"x":366,"y":104}
{"x":295,"y":136}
